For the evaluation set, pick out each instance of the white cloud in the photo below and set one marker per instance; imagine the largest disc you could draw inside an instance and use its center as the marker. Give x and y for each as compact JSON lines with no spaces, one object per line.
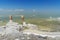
{"x":1,"y":9}
{"x":34,"y":10}
{"x":11,"y":10}
{"x":19,"y":10}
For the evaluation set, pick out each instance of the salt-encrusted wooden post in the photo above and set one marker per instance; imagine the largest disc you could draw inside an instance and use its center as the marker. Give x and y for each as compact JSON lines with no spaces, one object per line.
{"x":22,"y":17}
{"x":10,"y":18}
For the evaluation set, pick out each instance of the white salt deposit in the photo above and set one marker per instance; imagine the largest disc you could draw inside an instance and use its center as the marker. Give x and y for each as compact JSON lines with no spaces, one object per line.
{"x":16,"y":39}
{"x":11,"y":31}
{"x":11,"y":23}
{"x":24,"y":24}
{"x":10,"y":28}
{"x":32,"y":26}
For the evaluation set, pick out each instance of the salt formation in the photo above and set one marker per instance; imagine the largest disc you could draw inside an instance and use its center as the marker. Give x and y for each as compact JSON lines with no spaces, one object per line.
{"x":23,"y":22}
{"x":14,"y":31}
{"x":13,"y":25}
{"x":30,"y":26}
{"x":10,"y":30}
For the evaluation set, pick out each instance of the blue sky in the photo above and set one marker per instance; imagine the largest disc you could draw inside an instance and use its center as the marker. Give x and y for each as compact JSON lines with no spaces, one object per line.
{"x":38,"y":5}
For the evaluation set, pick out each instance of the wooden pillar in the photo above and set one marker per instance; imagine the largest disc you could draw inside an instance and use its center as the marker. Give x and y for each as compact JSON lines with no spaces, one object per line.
{"x":10,"y":17}
{"x":22,"y":18}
